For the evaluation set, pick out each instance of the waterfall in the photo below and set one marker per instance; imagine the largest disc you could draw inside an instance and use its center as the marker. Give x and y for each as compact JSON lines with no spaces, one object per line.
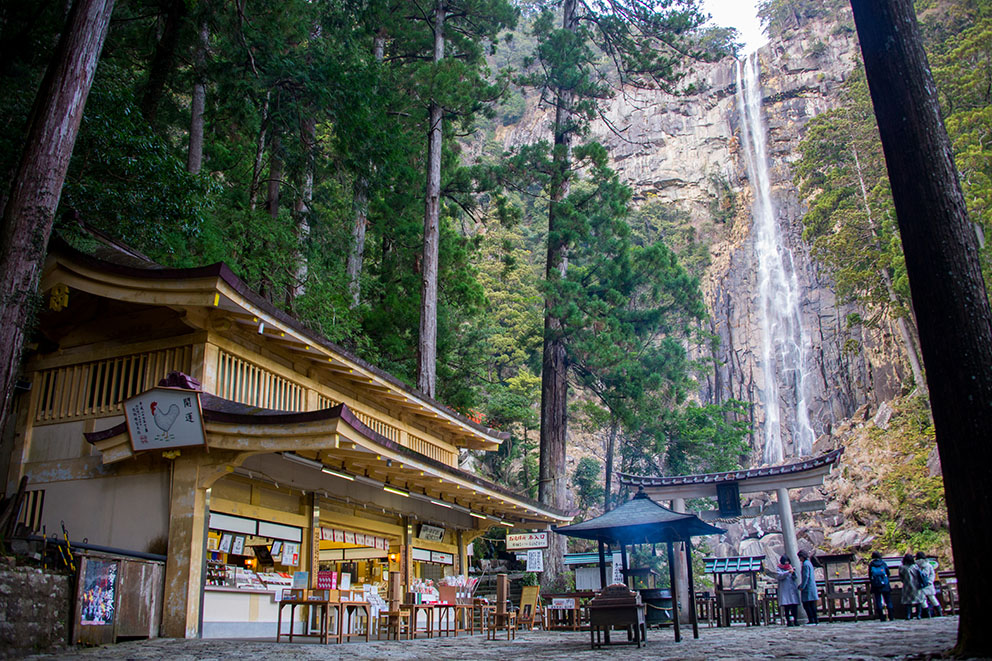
{"x":783,"y":341}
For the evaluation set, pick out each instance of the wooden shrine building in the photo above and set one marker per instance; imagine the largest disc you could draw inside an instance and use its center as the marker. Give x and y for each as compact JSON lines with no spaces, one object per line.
{"x":311,"y":458}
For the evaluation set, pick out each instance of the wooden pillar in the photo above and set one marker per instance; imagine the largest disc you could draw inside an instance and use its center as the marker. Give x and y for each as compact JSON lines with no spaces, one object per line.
{"x":502,"y":593}
{"x":462,"y":554}
{"x":681,"y":569}
{"x":675,"y":597}
{"x":184,"y":567}
{"x":406,"y":554}
{"x":623,"y":563}
{"x":693,"y":615}
{"x":314,"y":564}
{"x":602,"y":566}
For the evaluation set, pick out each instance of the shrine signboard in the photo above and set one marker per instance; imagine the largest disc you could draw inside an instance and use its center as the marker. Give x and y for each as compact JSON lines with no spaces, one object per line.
{"x":165,"y":418}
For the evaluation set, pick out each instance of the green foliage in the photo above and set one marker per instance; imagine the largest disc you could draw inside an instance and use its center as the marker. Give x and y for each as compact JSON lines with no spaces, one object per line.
{"x":586,"y":479}
{"x":779,"y":17}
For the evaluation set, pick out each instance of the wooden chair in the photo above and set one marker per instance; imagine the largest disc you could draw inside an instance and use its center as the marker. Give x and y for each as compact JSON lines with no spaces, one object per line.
{"x":502,"y":618}
{"x":530,"y":611}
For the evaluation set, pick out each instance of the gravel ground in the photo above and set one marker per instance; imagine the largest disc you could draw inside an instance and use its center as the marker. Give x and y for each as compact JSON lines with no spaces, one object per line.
{"x":918,"y":639}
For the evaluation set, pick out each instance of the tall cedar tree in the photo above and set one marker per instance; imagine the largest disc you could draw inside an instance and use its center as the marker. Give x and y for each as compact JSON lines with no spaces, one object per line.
{"x":473,"y":21}
{"x":646,"y":42}
{"x":29,"y":209}
{"x":945,"y":278}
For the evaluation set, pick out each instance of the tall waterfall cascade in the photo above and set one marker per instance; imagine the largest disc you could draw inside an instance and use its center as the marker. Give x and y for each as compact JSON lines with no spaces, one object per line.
{"x":783,"y":340}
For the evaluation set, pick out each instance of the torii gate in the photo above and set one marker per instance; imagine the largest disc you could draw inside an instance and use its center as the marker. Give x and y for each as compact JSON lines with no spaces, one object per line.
{"x":805,"y":473}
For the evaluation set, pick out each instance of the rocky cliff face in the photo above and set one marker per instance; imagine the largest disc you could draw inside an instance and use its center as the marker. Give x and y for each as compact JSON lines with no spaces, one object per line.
{"x":686,"y":152}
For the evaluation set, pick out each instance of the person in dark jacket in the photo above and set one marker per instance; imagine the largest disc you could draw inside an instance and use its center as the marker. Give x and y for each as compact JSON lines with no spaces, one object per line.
{"x":881,"y":590}
{"x":912,"y":596}
{"x":788,"y":591}
{"x":807,"y":588}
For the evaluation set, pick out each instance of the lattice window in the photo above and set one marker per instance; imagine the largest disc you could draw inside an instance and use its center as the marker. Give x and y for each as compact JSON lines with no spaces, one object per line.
{"x":247,"y":383}
{"x":100,"y":387}
{"x":325,"y":402}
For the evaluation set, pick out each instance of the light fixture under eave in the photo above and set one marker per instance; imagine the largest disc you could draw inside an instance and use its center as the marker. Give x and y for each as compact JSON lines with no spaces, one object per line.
{"x":478,"y":516}
{"x":504,"y":523}
{"x":343,"y":476}
{"x":398,"y":492}
{"x":303,"y":461}
{"x":441,"y":503}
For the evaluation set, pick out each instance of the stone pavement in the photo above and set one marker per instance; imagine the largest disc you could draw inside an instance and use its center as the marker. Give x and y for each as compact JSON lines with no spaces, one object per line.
{"x":918,"y":639}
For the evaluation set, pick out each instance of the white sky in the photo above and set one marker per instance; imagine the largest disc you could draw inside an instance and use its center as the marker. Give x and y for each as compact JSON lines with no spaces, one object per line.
{"x":738,"y":14}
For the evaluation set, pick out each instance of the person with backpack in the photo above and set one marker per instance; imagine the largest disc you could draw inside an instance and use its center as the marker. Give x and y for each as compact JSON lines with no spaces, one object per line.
{"x":881,"y":590}
{"x":930,"y":604}
{"x":912,"y":595}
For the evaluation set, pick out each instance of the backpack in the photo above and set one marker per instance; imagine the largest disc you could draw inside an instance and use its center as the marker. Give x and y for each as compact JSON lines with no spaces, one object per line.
{"x":879,"y":575}
{"x":923,"y":578}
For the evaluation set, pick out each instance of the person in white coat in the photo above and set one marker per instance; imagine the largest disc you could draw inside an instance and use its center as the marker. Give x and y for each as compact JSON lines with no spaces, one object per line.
{"x":931,"y":607}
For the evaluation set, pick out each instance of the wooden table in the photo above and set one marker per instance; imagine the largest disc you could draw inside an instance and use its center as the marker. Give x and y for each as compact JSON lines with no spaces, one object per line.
{"x":344,"y":620}
{"x":562,"y":616}
{"x":415,"y":609}
{"x":445,"y":612}
{"x":324,"y":634}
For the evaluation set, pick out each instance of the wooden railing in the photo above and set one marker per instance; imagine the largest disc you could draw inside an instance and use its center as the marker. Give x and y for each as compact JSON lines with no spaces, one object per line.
{"x":100,"y":387}
{"x":242,"y":381}
{"x":378,"y":426}
{"x":431,"y":450}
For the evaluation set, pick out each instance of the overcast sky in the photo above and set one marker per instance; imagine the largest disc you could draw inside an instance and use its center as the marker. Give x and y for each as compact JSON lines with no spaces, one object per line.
{"x":738,"y":14}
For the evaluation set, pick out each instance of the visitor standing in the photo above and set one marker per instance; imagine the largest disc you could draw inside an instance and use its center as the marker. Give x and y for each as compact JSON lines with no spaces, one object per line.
{"x":807,"y":588}
{"x":788,"y":591}
{"x":912,"y":596}
{"x":927,"y":588}
{"x":881,"y":589}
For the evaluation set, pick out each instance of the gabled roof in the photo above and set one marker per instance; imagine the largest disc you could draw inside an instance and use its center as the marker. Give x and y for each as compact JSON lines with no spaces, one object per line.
{"x":216,"y":287}
{"x":640,"y":521}
{"x":805,"y":472}
{"x":251,"y":429}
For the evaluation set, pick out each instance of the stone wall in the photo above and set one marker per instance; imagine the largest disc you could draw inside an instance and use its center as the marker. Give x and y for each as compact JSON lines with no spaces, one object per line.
{"x":34,"y":611}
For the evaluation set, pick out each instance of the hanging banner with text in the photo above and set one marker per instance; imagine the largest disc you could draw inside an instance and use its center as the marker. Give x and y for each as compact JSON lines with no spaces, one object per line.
{"x":526,"y":540}
{"x":535,"y":560}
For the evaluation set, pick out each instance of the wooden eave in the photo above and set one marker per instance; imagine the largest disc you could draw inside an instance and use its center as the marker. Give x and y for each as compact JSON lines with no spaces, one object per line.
{"x":340,"y":441}
{"x":217,"y":288}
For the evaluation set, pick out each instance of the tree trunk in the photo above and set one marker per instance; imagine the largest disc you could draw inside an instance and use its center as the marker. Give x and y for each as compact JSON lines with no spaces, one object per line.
{"x":554,"y":365}
{"x":194,"y":157}
{"x":162,"y":61}
{"x":427,"y":344}
{"x":29,"y":212}
{"x":953,"y":315}
{"x":302,"y":209}
{"x":256,"y":172}
{"x":275,"y":177}
{"x":361,"y":208}
{"x":608,"y":478}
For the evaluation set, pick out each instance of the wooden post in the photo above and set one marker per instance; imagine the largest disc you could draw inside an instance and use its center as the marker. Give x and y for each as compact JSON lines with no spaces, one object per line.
{"x":602,"y":565}
{"x":675,"y":596}
{"x":187,"y":541}
{"x":694,"y":617}
{"x":623,"y":563}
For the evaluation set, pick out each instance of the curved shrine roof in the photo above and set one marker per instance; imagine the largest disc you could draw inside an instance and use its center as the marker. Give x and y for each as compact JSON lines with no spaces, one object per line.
{"x":797,"y":469}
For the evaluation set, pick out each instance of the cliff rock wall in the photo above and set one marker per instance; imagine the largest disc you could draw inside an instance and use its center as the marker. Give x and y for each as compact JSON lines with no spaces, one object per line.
{"x":686,"y":152}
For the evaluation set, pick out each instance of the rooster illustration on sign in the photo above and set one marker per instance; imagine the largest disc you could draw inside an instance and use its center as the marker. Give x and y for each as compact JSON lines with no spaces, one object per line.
{"x":164,"y":419}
